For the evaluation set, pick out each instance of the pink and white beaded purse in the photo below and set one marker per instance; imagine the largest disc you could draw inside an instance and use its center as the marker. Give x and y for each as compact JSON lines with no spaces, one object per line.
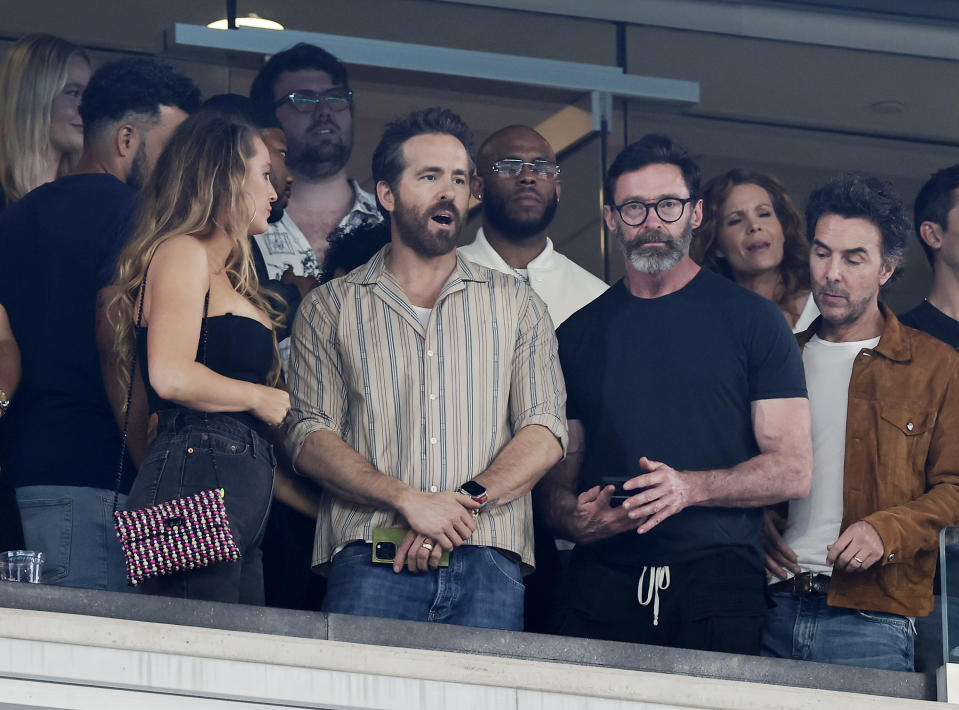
{"x":176,"y":536}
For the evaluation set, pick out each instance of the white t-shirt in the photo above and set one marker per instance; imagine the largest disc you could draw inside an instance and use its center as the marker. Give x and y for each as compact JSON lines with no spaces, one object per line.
{"x":816,"y":519}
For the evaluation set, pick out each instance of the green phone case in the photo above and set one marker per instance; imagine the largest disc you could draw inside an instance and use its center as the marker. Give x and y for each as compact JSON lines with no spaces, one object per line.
{"x":396,"y":535}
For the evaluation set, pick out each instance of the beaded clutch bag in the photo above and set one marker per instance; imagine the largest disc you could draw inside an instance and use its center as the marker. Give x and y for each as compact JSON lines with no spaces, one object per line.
{"x":176,"y":536}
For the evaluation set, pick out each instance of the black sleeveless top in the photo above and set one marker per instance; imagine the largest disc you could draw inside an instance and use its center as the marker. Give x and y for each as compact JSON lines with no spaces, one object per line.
{"x":238,"y":347}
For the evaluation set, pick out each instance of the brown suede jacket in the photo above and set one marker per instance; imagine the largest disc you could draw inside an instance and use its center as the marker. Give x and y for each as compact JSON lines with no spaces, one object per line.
{"x":901,"y":471}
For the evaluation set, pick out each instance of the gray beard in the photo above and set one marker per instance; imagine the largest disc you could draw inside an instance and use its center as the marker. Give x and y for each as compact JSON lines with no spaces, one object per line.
{"x":660,"y":260}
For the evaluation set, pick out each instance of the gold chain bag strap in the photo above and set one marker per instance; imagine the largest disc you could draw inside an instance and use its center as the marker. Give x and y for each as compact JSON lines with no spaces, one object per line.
{"x":179,"y":535}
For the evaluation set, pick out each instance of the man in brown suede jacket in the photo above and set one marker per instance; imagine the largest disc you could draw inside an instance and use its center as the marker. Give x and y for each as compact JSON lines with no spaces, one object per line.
{"x":857,"y":557}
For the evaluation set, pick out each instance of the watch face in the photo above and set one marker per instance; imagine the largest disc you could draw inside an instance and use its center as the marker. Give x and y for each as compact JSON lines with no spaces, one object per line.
{"x":474,"y":489}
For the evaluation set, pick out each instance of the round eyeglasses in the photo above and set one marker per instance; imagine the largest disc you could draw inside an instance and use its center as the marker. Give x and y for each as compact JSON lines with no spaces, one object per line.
{"x":668,"y":209}
{"x":306,"y":101}
{"x":513,"y":167}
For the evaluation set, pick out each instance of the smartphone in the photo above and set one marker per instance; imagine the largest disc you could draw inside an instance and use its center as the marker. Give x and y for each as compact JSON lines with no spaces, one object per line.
{"x":620,"y":494}
{"x":387,"y":540}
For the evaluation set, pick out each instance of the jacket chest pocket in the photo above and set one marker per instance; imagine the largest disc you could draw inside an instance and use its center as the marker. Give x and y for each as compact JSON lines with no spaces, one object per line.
{"x":903,"y":441}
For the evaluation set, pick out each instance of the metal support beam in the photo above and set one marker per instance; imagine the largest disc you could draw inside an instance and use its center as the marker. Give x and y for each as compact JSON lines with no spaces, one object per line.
{"x":575,"y":76}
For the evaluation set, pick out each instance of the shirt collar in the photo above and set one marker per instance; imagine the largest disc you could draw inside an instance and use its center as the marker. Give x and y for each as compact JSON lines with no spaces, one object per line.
{"x":375,"y":269}
{"x":364,"y":201}
{"x":543,"y":260}
{"x":893,"y":343}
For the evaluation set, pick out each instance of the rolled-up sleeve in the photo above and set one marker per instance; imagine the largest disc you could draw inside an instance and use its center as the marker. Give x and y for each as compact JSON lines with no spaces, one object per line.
{"x":318,"y":391}
{"x":537,"y":389}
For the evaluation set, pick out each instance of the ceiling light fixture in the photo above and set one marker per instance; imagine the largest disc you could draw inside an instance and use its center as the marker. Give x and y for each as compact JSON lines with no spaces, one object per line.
{"x":252,"y":20}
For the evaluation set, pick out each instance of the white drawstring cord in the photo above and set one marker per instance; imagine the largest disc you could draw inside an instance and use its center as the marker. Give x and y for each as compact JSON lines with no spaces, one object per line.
{"x":658,"y":580}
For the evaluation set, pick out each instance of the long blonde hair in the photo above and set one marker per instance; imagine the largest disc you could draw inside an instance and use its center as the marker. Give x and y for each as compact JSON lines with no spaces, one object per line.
{"x":198,"y":177}
{"x":32,"y":73}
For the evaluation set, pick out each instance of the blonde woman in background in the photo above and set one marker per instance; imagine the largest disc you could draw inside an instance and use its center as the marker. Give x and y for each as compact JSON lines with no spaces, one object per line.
{"x":206,"y":346}
{"x":41,"y":134}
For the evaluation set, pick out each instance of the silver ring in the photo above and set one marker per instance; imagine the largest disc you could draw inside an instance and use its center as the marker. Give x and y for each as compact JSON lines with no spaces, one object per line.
{"x":428,"y":545}
{"x":858,"y":559}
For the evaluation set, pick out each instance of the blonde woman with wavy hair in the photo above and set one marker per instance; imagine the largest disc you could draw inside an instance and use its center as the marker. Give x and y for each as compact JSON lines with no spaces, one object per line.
{"x":190,"y":307}
{"x":41,"y":134}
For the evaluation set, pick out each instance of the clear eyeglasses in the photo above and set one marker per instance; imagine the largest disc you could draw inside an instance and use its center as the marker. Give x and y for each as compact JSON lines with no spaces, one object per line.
{"x":513,"y":167}
{"x":306,"y":101}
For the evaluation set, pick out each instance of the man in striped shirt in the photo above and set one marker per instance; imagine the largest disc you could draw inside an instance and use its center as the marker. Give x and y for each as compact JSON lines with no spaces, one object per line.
{"x":428,"y":396}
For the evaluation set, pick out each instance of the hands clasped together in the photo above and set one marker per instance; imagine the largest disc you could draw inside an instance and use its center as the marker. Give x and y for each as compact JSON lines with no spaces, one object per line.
{"x":438,"y":522}
{"x":661,"y":491}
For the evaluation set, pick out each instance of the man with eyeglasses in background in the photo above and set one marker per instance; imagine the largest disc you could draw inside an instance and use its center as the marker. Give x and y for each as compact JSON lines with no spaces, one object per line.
{"x":308,"y":89}
{"x":517,"y":180}
{"x":687,"y":412}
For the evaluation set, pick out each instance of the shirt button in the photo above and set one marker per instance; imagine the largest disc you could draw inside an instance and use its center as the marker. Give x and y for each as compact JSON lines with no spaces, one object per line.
{"x":429,"y":353}
{"x":190,"y":450}
{"x":433,"y":489}
{"x":909,"y":426}
{"x":432,"y":396}
{"x":433,"y":440}
{"x":892,"y":556}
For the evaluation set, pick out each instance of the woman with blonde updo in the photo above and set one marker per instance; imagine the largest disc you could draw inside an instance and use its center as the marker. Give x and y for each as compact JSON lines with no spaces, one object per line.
{"x":41,"y":134}
{"x":752,"y":233}
{"x":188,"y":303}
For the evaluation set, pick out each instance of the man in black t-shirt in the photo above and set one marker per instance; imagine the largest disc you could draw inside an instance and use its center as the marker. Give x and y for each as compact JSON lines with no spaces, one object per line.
{"x":686,"y":401}
{"x":937,"y":224}
{"x":59,"y":443}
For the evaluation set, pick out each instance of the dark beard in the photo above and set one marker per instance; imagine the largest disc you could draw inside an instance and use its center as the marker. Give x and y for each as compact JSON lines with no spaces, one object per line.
{"x":319,"y":161}
{"x":413,"y":229}
{"x":276,"y":215}
{"x":137,"y":176}
{"x":517,"y":229}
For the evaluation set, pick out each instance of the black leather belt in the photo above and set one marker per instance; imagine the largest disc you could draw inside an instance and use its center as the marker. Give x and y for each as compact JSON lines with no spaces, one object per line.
{"x":803,"y":584}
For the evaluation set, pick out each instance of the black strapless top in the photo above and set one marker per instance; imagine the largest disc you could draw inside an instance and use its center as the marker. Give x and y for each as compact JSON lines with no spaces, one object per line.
{"x":238,"y":347}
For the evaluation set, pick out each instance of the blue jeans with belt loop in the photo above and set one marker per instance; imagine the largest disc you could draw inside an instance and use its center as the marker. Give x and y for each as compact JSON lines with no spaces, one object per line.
{"x":178,"y":463}
{"x":808,"y":629}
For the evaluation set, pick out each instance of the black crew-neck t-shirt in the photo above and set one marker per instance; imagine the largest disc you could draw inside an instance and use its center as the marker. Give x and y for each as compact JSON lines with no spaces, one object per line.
{"x":58,"y":247}
{"x":929,"y":319}
{"x":673,"y":378}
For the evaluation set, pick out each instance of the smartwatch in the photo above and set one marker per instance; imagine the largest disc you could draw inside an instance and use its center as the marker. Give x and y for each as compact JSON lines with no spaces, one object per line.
{"x":475,"y":491}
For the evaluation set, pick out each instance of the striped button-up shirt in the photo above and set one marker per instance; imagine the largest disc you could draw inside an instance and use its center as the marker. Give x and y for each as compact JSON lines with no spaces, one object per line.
{"x":431,"y":406}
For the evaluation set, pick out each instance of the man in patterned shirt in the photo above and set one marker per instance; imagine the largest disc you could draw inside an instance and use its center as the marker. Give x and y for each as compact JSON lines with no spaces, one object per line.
{"x":308,"y":88}
{"x":427,"y":396}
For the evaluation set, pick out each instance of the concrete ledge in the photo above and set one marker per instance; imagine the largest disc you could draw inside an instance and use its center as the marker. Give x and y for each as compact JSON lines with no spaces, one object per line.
{"x":456,"y":639}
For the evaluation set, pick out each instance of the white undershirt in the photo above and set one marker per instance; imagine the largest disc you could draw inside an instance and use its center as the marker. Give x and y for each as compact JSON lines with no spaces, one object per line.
{"x":422,"y":314}
{"x":816,"y":519}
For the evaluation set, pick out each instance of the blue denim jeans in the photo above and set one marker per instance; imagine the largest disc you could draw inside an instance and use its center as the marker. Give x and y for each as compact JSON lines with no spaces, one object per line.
{"x":178,"y":463}
{"x":808,"y":629}
{"x":73,"y":527}
{"x":481,"y":587}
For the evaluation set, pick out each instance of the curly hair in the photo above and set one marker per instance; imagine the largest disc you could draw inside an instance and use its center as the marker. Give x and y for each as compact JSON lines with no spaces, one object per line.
{"x":299,"y":56}
{"x":134,"y":86}
{"x":867,"y":197}
{"x":793,"y":269}
{"x":652,"y":149}
{"x":352,"y":247}
{"x":388,"y":162}
{"x":32,"y":74}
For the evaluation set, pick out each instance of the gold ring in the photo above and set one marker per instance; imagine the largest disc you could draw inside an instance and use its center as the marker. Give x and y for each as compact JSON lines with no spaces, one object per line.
{"x":428,"y":545}
{"x":857,"y":559}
